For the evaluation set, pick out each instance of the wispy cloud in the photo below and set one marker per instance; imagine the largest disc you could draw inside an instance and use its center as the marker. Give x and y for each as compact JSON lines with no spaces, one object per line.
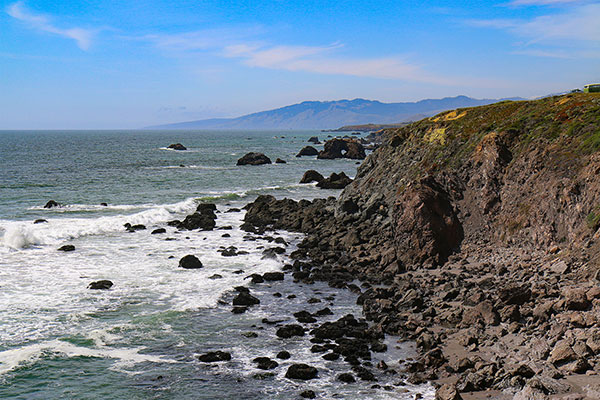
{"x":320,"y":60}
{"x":545,"y":2}
{"x":569,"y":33}
{"x":82,"y":36}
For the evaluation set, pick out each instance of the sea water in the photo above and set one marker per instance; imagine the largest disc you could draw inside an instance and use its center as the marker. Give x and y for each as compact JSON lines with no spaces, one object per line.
{"x":141,"y":338}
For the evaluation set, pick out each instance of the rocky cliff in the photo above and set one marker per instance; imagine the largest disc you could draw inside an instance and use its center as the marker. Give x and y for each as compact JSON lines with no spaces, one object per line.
{"x":479,"y":227}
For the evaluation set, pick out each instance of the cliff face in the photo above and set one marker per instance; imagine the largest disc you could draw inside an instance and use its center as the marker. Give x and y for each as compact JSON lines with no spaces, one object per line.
{"x":521,"y":173}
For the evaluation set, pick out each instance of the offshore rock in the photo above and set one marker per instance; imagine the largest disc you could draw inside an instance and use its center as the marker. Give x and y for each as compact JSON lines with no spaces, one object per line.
{"x":254,"y":159}
{"x":342,"y":148}
{"x":190,"y":262}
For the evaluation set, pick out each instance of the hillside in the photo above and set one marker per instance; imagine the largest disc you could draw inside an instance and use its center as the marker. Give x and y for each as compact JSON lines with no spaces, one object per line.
{"x":480,"y":229}
{"x":332,"y":114}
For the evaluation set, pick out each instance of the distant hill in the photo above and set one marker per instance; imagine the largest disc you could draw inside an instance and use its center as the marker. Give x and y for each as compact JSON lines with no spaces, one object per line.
{"x":333,"y":114}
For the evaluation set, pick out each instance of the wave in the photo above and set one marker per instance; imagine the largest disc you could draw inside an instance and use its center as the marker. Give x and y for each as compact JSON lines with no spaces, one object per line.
{"x":27,"y":355}
{"x":19,"y":235}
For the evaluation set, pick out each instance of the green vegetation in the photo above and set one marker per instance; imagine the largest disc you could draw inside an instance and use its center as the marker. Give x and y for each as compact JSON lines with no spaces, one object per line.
{"x":593,"y":218}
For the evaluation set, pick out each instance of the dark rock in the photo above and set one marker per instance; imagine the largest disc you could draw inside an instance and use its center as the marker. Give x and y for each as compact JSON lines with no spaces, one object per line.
{"x":67,"y":247}
{"x":515,"y":294}
{"x":100,"y":285}
{"x":301,"y":371}
{"x":265,"y":363}
{"x":307,"y":151}
{"x":335,"y":181}
{"x":216,"y":276}
{"x":250,"y":335}
{"x":103,"y":204}
{"x":214,"y":356}
{"x":177,"y":146}
{"x":254,"y":159}
{"x":304,"y":317}
{"x":202,"y":221}
{"x":245,"y":299}
{"x":346,"y":377}
{"x":331,"y":356}
{"x":134,"y":228}
{"x":231,"y":251}
{"x":190,"y":262}
{"x":273,"y":276}
{"x":283,"y":355}
{"x":342,"y":148}
{"x":288,"y":331}
{"x":311,"y":176}
{"x":308,"y":394}
{"x":159,"y":230}
{"x":256,"y":278}
{"x":323,"y":312}
{"x":314,"y":139}
{"x":40,"y":221}
{"x":280,"y":161}
{"x":239,"y":309}
{"x":52,"y":204}
{"x":363,"y":373}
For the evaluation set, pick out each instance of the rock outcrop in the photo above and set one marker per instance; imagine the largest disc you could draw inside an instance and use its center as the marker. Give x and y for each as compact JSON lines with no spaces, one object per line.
{"x":342,"y":148}
{"x":177,"y":146}
{"x":307,"y":151}
{"x":254,"y":159}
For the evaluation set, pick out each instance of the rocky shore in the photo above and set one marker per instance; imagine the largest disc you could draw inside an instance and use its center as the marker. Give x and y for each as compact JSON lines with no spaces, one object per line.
{"x":474,"y":234}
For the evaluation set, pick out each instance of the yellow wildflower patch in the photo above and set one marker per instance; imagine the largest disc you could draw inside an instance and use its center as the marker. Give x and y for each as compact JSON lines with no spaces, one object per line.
{"x":451,"y":116}
{"x":437,"y":135}
{"x":563,"y":101}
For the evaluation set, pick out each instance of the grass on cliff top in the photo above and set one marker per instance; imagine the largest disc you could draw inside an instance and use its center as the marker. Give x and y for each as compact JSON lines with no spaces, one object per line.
{"x":569,"y":122}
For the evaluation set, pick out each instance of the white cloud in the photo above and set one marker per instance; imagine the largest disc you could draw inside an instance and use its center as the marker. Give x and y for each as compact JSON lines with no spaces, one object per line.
{"x":566,"y":34}
{"x":83,"y":37}
{"x":545,"y":2}
{"x":317,"y":59}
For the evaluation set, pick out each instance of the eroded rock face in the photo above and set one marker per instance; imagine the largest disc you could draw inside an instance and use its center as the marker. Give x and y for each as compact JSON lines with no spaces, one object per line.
{"x":426,"y":227}
{"x":311,"y":176}
{"x":342,"y":148}
{"x":254,"y":159}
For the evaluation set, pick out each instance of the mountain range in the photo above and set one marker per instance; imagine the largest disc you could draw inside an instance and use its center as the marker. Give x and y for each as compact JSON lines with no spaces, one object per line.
{"x":333,"y":114}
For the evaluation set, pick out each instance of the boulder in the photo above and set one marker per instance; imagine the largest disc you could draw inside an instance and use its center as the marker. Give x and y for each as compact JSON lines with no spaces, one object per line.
{"x":158,"y":231}
{"x":245,"y":299}
{"x":52,"y":204}
{"x":40,"y":221}
{"x":447,"y":392}
{"x":342,"y":148}
{"x":280,"y":161}
{"x":202,"y":221}
{"x":307,"y":151}
{"x":100,"y":285}
{"x":308,"y":394}
{"x":314,"y":139}
{"x":301,"y":371}
{"x":265,"y":363}
{"x":177,"y":146}
{"x":215,"y":356}
{"x":283,"y":355}
{"x":254,"y":159}
{"x":311,"y":176}
{"x":346,"y":377}
{"x":288,"y":331}
{"x":273,"y":276}
{"x":67,"y":247}
{"x":335,"y":181}
{"x":190,"y":262}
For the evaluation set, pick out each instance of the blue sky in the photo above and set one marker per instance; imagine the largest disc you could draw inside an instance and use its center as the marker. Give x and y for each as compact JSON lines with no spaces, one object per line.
{"x":105,"y":64}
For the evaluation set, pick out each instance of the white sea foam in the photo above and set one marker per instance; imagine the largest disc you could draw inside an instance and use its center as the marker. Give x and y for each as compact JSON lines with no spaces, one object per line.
{"x":27,"y":355}
{"x":19,"y":235}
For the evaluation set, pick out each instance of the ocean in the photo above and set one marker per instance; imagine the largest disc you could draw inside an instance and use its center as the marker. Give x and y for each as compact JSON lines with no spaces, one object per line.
{"x":141,"y":339}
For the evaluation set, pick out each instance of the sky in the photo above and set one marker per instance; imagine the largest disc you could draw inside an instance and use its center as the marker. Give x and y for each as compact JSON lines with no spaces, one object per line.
{"x":100,"y":64}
